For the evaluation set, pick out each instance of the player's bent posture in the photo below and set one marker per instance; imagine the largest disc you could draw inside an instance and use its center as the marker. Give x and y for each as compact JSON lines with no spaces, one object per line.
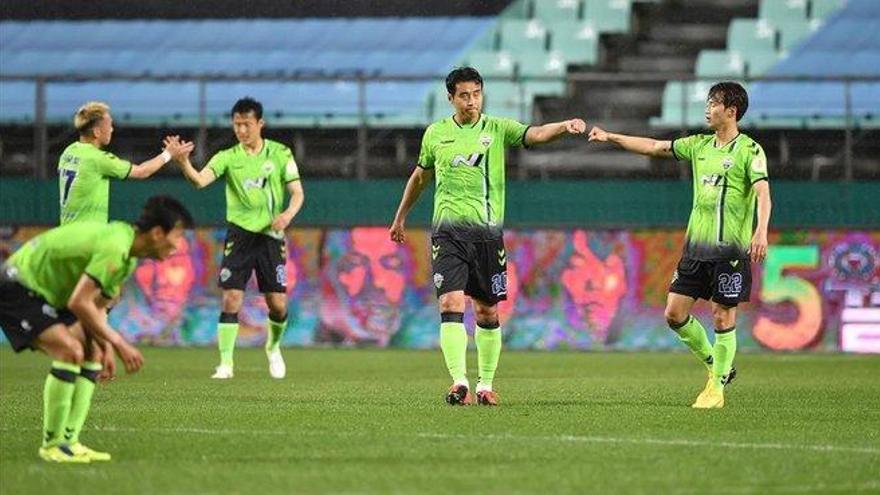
{"x":730,"y":180}
{"x":53,"y":295}
{"x":257,"y":173}
{"x":85,"y":170}
{"x":466,"y":151}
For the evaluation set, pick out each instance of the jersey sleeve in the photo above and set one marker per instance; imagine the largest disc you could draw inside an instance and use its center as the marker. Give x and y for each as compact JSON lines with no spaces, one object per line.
{"x":291,"y":171}
{"x":110,"y":165}
{"x":685,"y":148}
{"x":218,"y":164}
{"x":426,"y":154}
{"x":756,"y":166}
{"x":514,"y":132}
{"x":108,"y":270}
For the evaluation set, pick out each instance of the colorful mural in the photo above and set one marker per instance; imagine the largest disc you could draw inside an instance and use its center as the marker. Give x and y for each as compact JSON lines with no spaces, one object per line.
{"x":568,"y":289}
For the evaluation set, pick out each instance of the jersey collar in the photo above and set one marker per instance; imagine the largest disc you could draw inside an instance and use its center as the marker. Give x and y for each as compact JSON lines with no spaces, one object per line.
{"x":480,"y":119}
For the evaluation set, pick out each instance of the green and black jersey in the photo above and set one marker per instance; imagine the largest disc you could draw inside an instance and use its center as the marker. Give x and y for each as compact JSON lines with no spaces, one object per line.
{"x":723,"y":215}
{"x":469,"y":164}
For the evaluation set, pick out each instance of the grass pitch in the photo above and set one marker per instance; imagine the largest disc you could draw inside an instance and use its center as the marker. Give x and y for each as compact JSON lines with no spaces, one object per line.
{"x":374,"y":421}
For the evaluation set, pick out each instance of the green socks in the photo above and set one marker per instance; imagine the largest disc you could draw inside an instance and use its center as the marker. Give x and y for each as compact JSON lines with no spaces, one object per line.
{"x":57,"y":397}
{"x":227,"y":330}
{"x":725,"y":350}
{"x":276,"y":332}
{"x":453,"y":342}
{"x":488,"y":352}
{"x":692,"y":333}
{"x":83,"y":389}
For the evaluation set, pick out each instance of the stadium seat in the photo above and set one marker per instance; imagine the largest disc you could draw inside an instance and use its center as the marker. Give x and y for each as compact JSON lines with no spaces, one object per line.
{"x":776,"y":11}
{"x":552,"y":11}
{"x":820,"y":9}
{"x":520,"y":36}
{"x":793,"y":32}
{"x":509,"y":100}
{"x":746,"y":35}
{"x":540,"y":64}
{"x":720,"y":64}
{"x":492,"y":64}
{"x":577,"y":42}
{"x":759,"y":62}
{"x":610,"y":15}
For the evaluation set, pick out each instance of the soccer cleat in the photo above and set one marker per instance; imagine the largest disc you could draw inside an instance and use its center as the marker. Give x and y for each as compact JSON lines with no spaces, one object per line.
{"x":61,"y":453}
{"x":277,"y":368}
{"x":81,"y":450}
{"x":223,"y":372}
{"x":459,"y":395}
{"x":727,"y":380}
{"x":711,"y":398}
{"x":487,"y":398}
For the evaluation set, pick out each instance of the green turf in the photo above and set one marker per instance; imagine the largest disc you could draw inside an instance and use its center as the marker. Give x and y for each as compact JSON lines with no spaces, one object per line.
{"x":362,"y":421}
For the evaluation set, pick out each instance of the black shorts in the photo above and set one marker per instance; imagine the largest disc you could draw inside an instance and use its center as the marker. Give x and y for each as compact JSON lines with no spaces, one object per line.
{"x":245,"y":252}
{"x":726,"y":282}
{"x":24,"y":314}
{"x":478,"y":268}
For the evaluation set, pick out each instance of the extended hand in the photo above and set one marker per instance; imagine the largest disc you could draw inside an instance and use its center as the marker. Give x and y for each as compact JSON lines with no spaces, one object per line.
{"x":130,"y":356}
{"x":598,"y":134}
{"x":178,"y":149}
{"x":281,"y":221}
{"x":397,"y":232}
{"x":575,"y":126}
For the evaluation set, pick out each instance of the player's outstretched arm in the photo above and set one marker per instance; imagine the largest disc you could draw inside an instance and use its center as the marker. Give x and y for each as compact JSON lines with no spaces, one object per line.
{"x":199,"y":178}
{"x":758,"y":247}
{"x":414,"y":187}
{"x":174,"y":148}
{"x":93,"y":318}
{"x":550,"y":132}
{"x":635,"y":144}
{"x":297,"y":197}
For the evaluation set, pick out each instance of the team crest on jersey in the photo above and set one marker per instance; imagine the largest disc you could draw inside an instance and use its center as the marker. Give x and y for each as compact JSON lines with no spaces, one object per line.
{"x":49,"y":311}
{"x":485,"y":140}
{"x":268,"y":167}
{"x":759,"y":164}
{"x":727,"y":163}
{"x":438,"y":280}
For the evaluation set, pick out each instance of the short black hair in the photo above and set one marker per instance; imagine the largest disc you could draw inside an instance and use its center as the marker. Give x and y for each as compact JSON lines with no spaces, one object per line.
{"x":462,"y":74}
{"x":165,"y":212}
{"x":245,"y":105}
{"x":731,"y":94}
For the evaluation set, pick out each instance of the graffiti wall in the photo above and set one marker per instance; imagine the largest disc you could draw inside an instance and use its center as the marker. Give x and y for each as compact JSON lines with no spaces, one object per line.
{"x":568,"y":289}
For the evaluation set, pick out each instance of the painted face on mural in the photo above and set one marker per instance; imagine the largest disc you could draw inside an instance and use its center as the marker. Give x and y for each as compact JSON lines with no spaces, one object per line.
{"x":372,"y":277}
{"x":166,"y":284}
{"x":594,"y":285}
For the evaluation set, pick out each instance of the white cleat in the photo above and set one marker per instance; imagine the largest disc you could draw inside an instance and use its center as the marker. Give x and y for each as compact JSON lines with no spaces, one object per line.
{"x":223,"y":372}
{"x":277,"y":368}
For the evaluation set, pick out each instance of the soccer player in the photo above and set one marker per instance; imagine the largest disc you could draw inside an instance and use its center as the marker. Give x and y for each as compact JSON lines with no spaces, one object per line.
{"x":257,"y":172}
{"x":85,"y":170}
{"x":468,"y":258}
{"x":53,"y":297}
{"x":730,"y":180}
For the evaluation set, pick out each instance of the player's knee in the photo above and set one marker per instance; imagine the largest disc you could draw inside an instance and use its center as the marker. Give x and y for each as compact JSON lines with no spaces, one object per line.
{"x":723,"y":317}
{"x":675,"y":317}
{"x":487,"y":317}
{"x":277,"y":308}
{"x":73,"y":352}
{"x":452,"y":302}
{"x":232,"y":302}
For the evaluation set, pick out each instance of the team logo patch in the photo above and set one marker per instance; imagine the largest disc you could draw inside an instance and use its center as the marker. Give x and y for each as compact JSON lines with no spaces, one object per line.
{"x":228,"y":248}
{"x":438,"y":280}
{"x":727,"y":163}
{"x":225,"y":274}
{"x":502,"y":257}
{"x":435,"y":250}
{"x":268,"y":167}
{"x":291,"y":169}
{"x":25,"y":325}
{"x":485,"y":140}
{"x":281,"y":275}
{"x":499,"y":284}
